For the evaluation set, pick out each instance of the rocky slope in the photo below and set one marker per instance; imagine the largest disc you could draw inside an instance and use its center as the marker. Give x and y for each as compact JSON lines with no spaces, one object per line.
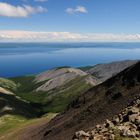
{"x":106,"y":71}
{"x":95,"y":106}
{"x":124,"y":125}
{"x":57,"y":77}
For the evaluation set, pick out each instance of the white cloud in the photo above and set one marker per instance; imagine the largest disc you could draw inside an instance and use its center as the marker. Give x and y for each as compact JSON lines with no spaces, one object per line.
{"x":64,"y":36}
{"x":81,"y":9}
{"x":78,"y":9}
{"x":9,"y":10}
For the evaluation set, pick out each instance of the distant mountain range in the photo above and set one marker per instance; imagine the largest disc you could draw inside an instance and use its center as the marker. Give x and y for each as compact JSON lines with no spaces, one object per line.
{"x":85,"y":96}
{"x":106,"y":71}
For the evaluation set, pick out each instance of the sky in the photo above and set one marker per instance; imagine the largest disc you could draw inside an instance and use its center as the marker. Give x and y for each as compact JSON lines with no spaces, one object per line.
{"x":69,"y":20}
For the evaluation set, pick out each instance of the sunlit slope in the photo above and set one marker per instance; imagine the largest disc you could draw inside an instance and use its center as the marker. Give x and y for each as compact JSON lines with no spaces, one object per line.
{"x":53,"y":90}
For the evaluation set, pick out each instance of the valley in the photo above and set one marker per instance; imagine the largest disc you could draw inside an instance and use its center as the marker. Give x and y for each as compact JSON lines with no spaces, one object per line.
{"x":77,"y":95}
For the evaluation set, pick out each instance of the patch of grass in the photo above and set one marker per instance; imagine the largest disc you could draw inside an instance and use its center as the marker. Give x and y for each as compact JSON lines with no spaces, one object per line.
{"x":33,"y":97}
{"x":8,"y":122}
{"x":86,"y":68}
{"x":8,"y":84}
{"x":62,"y":67}
{"x":10,"y":125}
{"x":26,"y":83}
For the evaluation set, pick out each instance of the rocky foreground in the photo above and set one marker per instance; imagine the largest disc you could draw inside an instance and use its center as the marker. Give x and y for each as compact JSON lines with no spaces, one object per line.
{"x":124,"y":125}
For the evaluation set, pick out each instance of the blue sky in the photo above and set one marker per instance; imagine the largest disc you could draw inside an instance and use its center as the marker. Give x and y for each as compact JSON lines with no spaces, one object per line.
{"x":96,"y":16}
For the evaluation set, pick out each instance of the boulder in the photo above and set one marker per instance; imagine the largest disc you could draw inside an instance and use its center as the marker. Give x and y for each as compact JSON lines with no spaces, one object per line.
{"x":82,"y":135}
{"x":138,"y":120}
{"x":116,"y":120}
{"x":99,"y":137}
{"x":133,"y":117}
{"x":134,"y":110}
{"x":109,"y":124}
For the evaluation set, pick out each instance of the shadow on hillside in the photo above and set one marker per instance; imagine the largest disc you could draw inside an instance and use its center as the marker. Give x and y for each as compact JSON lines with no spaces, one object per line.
{"x":10,"y":104}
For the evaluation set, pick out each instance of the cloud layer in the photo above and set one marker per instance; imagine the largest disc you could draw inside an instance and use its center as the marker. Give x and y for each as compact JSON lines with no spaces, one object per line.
{"x":64,"y":36}
{"x":19,"y":11}
{"x":78,"y":9}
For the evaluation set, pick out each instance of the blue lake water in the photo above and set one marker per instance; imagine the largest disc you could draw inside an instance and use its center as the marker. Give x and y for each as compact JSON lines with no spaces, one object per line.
{"x":29,"y":58}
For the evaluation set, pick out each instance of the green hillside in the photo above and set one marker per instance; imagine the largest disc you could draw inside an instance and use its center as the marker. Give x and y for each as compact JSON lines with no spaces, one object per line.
{"x":55,"y":100}
{"x":8,"y":84}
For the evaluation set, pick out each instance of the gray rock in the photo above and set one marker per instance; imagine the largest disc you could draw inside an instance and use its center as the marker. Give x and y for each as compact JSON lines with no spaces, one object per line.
{"x":109,"y":124}
{"x":98,"y":127}
{"x":82,"y":134}
{"x":126,"y":124}
{"x":116,"y":120}
{"x":133,"y":117}
{"x":99,"y":137}
{"x":128,"y":133}
{"x":134,"y":110}
{"x":138,"y":120}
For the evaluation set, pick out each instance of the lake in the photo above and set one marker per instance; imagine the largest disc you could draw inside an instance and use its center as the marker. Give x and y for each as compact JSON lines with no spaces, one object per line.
{"x":30,"y":58}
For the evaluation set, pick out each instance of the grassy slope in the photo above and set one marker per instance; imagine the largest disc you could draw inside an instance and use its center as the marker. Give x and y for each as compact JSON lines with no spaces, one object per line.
{"x":86,"y":68}
{"x":54,"y":100}
{"x":65,"y":94}
{"x":11,"y":125}
{"x":8,"y":84}
{"x":23,"y":115}
{"x":26,"y":83}
{"x":8,"y":122}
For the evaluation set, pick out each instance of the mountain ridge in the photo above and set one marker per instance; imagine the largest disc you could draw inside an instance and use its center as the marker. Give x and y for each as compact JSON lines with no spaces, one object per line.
{"x":116,"y":90}
{"x":107,"y":70}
